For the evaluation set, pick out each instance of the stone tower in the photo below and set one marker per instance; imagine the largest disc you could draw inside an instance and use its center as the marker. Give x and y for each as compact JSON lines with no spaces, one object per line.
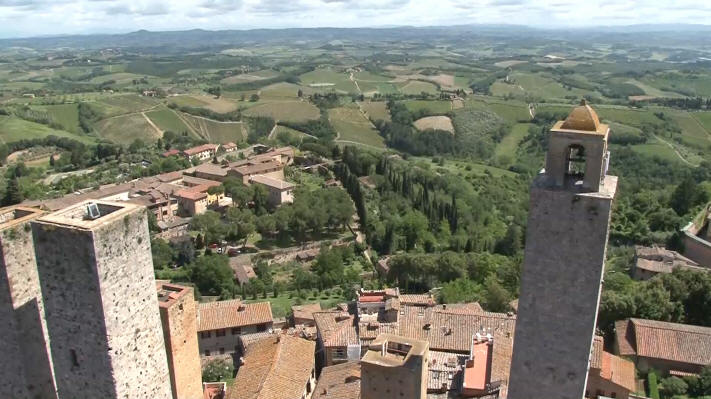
{"x":178,"y":313}
{"x":96,"y":274}
{"x":566,"y":240}
{"x":25,"y":368}
{"x":395,"y":367}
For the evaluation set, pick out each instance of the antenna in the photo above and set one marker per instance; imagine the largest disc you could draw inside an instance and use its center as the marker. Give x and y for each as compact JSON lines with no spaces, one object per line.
{"x":92,"y":211}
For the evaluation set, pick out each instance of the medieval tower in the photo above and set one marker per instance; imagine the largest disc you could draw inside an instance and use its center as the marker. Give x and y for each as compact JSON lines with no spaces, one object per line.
{"x":566,"y":241}
{"x":96,"y":275}
{"x":25,"y":368}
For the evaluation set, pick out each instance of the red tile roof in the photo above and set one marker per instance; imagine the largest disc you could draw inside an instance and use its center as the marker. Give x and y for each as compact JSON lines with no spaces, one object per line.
{"x":341,"y":381}
{"x":673,"y":342}
{"x":200,"y":148}
{"x":171,"y":152}
{"x":618,"y":371}
{"x":305,"y":311}
{"x":232,"y":313}
{"x":191,"y":194}
{"x":276,"y":367}
{"x":337,"y":329}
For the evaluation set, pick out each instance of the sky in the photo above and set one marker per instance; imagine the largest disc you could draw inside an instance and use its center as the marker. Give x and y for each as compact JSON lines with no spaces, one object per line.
{"x":26,"y":18}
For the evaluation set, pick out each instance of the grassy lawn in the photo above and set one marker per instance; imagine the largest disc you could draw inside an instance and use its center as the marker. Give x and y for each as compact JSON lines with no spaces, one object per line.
{"x":284,"y":90}
{"x":353,"y":126}
{"x":704,"y":119}
{"x":216,"y":132}
{"x":166,"y":119}
{"x":293,"y":111}
{"x":281,"y":305}
{"x":656,"y":149}
{"x":123,"y":104}
{"x":693,"y":133}
{"x":15,"y":129}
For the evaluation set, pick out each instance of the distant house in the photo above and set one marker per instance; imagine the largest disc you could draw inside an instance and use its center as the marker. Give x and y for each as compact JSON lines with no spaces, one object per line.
{"x":191,"y":202}
{"x":276,"y":367}
{"x":308,"y":255}
{"x":221,"y":323}
{"x":211,"y":171}
{"x":341,"y":381}
{"x":202,"y":152}
{"x":280,"y":191}
{"x":666,"y":347}
{"x":650,"y":261}
{"x":170,"y":153}
{"x":271,"y":168}
{"x":697,"y":238}
{"x":229,"y":147}
{"x":243,"y":271}
{"x":304,"y":314}
{"x":609,"y":375}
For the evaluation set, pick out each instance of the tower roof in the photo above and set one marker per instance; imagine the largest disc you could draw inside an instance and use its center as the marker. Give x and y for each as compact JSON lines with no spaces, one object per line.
{"x":582,"y":118}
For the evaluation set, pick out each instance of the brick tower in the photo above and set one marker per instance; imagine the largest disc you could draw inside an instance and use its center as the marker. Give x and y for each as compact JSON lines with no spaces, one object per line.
{"x":566,"y":241}
{"x":25,"y":368}
{"x":96,"y":274}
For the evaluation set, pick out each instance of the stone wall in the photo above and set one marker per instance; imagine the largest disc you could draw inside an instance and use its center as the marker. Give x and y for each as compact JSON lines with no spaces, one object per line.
{"x":180,"y":334}
{"x":566,"y":242}
{"x":99,"y":290}
{"x":25,"y":369}
{"x":229,"y":343}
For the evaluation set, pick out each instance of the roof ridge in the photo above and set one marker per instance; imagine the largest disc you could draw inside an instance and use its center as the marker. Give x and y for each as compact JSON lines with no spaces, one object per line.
{"x":686,"y":327}
{"x":272,"y":366}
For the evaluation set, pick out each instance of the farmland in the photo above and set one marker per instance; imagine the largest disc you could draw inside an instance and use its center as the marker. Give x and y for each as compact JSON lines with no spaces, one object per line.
{"x":127,"y":128}
{"x":214,"y":131}
{"x":436,"y":123}
{"x":292,"y":111}
{"x":352,"y":126}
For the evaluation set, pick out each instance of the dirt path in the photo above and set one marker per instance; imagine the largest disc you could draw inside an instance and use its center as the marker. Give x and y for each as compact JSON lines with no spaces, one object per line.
{"x":353,"y":79}
{"x":133,"y":113}
{"x":276,"y":124}
{"x":532,"y":111}
{"x":675,"y":151}
{"x":186,"y":123}
{"x":150,"y":122}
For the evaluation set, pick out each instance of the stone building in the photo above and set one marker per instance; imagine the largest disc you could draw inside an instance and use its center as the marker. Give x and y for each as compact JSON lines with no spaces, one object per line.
{"x":395,"y":367}
{"x":96,"y":274}
{"x":609,"y":375}
{"x":25,"y":369}
{"x":220,"y":324}
{"x":566,"y":241}
{"x":178,"y":314}
{"x":280,"y":191}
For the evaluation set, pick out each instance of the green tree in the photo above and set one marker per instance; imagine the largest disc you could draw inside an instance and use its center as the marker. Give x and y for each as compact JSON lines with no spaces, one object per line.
{"x":217,"y":370}
{"x":687,"y":195}
{"x":13,"y":193}
{"x":240,"y":223}
{"x":672,"y":386}
{"x":496,"y":297}
{"x":460,"y":290}
{"x":163,"y":253}
{"x":212,"y":275}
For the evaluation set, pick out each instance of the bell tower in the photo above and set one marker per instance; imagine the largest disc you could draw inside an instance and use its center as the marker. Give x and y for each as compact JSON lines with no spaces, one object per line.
{"x":566,"y":241}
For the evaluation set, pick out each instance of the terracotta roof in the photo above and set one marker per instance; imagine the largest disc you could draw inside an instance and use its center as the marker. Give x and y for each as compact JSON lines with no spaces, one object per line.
{"x":243,"y":272}
{"x":232,"y":313}
{"x":370,"y":330}
{"x":661,"y":260}
{"x":674,"y":342}
{"x":618,"y":371}
{"x":341,"y":381}
{"x":337,"y":329}
{"x":277,"y":367}
{"x":596,"y":353}
{"x":196,"y":181}
{"x":441,"y":365}
{"x":305,"y":311}
{"x":624,"y":337}
{"x":463,"y":308}
{"x":190,"y":194}
{"x":229,"y":145}
{"x":271,"y":182}
{"x":582,"y":117}
{"x":171,"y":152}
{"x":212,"y":169}
{"x":253,"y":169}
{"x":170,"y":176}
{"x":200,"y":148}
{"x":417,"y":299}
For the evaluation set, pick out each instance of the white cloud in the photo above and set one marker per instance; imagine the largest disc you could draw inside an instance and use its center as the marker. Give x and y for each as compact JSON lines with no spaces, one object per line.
{"x":41,"y":17}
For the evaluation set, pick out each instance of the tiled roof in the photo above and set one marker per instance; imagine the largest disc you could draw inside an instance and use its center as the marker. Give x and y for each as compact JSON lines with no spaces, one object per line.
{"x":618,"y":371}
{"x":417,"y":299}
{"x":190,"y":194}
{"x":212,"y":169}
{"x":305,"y":311}
{"x":200,"y":148}
{"x":243,"y":272}
{"x":252,"y":169}
{"x":232,"y":313}
{"x":596,"y":353}
{"x":463,"y":308}
{"x":337,"y":329}
{"x":170,"y":176}
{"x":370,"y":330}
{"x":271,"y":182}
{"x":341,"y":381}
{"x":668,"y":341}
{"x":276,"y":367}
{"x":445,"y":371}
{"x":624,"y":336}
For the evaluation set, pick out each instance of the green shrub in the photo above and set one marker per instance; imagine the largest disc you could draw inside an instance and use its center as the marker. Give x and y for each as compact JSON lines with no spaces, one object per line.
{"x":652,"y":385}
{"x":217,"y":370}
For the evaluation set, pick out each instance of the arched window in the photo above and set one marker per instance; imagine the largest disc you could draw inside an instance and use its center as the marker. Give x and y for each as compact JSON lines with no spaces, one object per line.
{"x":575,"y":161}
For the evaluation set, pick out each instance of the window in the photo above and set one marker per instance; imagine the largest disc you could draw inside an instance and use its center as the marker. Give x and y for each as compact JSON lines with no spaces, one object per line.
{"x":262,"y":328}
{"x":222,"y":351}
{"x":339,"y":353}
{"x":205,"y":334}
{"x":74,"y":358}
{"x":207,"y":352}
{"x":575,"y":159}
{"x":220,"y":333}
{"x":236,"y":331}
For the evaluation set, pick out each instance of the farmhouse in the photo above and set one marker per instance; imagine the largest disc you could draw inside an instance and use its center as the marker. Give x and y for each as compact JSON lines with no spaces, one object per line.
{"x":221,"y":323}
{"x":609,"y":375}
{"x":270,"y":168}
{"x":304,"y":314}
{"x":201,"y":152}
{"x":666,"y":347}
{"x":280,"y":191}
{"x":650,"y":261}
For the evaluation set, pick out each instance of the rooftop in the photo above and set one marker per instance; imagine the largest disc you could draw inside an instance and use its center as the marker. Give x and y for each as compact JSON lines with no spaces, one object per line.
{"x":276,"y":367}
{"x":77,"y":216}
{"x":168,"y":293}
{"x":190,"y":194}
{"x":336,"y":328}
{"x":305,"y":311}
{"x":257,"y":168}
{"x":271,"y":182}
{"x":232,"y":313}
{"x":341,"y":381}
{"x":200,"y":148}
{"x":674,"y":342}
{"x":391,"y":350}
{"x":12,"y":216}
{"x":583,"y":119}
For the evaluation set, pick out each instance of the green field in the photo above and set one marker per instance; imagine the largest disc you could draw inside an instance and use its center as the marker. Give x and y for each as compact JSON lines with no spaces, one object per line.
{"x":66,"y":115}
{"x":509,"y":144}
{"x":417,"y":87}
{"x":659,"y":150}
{"x":15,"y":129}
{"x":167,"y":120}
{"x":433,"y":107}
{"x":214,"y":131}
{"x":338,"y":81}
{"x":283,"y":90}
{"x":693,"y":133}
{"x":351,"y":125}
{"x":127,"y":128}
{"x":123,"y":104}
{"x":704,"y":118}
{"x":521,"y":83}
{"x":292,"y":111}
{"x":376,"y":110}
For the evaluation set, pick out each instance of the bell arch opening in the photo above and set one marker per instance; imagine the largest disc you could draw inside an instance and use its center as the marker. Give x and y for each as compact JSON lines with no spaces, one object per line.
{"x":576,"y":161}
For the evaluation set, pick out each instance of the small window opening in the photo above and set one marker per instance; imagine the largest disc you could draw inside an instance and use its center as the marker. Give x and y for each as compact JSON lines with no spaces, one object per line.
{"x":576,"y":161}
{"x":75,"y":359}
